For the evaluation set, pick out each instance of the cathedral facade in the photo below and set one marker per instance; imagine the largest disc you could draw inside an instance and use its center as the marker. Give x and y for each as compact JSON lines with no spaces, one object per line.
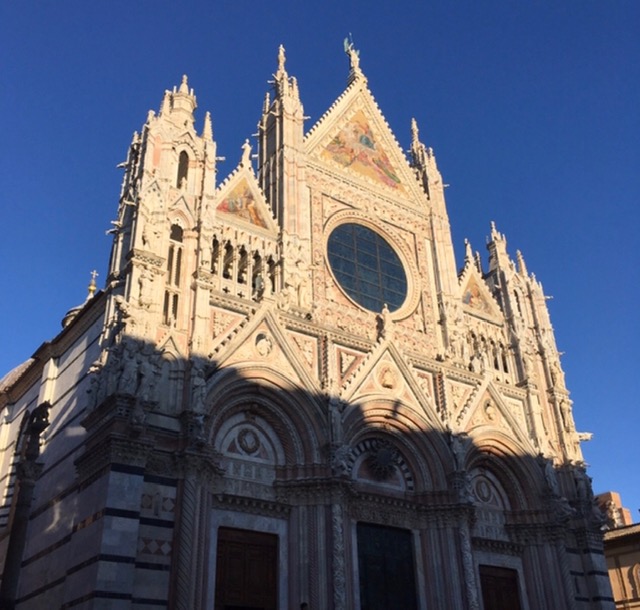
{"x":287,"y":395}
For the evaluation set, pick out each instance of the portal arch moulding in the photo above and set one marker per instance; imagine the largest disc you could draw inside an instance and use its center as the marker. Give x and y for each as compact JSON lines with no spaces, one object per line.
{"x":293,"y":414}
{"x":511,"y":466}
{"x":423,"y":448}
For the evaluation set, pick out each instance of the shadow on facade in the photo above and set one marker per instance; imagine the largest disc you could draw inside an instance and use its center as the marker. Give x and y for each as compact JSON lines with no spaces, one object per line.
{"x":152,"y":464}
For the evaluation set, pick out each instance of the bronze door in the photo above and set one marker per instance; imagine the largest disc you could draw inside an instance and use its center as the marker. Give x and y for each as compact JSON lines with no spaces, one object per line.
{"x":385,"y":564}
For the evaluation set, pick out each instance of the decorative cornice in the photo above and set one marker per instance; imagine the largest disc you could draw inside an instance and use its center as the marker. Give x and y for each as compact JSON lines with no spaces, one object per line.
{"x":112,"y":450}
{"x":251,"y":505}
{"x":146,"y":256}
{"x":497,"y":546}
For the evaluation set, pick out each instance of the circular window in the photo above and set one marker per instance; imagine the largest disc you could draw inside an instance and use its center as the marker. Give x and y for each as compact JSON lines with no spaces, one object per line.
{"x":366,"y":267}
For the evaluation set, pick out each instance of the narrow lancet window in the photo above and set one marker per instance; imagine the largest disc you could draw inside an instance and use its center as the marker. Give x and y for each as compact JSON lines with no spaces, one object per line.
{"x":174,"y":275}
{"x":183,"y":170}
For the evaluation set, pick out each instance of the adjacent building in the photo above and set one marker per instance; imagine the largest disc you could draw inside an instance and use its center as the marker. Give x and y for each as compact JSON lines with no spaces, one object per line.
{"x":622,"y":550}
{"x":289,"y":395}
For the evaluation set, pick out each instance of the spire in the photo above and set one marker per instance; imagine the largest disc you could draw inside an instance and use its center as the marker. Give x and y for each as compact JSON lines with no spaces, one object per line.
{"x":522,"y":267}
{"x":424,"y":161}
{"x":495,"y":235}
{"x":295,"y":92}
{"x":478,"y":261}
{"x":207,"y":132}
{"x":497,"y":246}
{"x":281,"y":77}
{"x":165,"y":106}
{"x":415,"y":134}
{"x":418,"y":150}
{"x":184,"y":87}
{"x":468,"y":253}
{"x":281,"y":61}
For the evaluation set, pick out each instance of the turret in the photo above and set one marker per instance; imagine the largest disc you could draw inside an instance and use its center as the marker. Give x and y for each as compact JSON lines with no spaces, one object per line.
{"x":423,"y":161}
{"x":178,"y":105}
{"x":168,"y":190}
{"x":281,"y":170}
{"x":281,"y":154}
{"x":533,"y":345}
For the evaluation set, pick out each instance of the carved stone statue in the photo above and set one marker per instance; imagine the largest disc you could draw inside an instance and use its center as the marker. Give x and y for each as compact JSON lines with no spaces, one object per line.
{"x":550,"y":475}
{"x":354,"y":55}
{"x":459,"y":444}
{"x":583,"y":486}
{"x":198,"y":390}
{"x":340,"y":460}
{"x":94,"y":392}
{"x":147,"y":374}
{"x":386,"y":323}
{"x":129,"y":373}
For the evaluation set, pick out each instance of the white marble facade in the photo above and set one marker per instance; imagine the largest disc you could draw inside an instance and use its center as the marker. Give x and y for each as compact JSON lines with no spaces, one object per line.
{"x":257,"y":364}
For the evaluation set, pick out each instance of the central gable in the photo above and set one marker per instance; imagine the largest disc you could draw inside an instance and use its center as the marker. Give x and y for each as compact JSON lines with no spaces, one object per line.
{"x":353,"y":139}
{"x":357,"y":148}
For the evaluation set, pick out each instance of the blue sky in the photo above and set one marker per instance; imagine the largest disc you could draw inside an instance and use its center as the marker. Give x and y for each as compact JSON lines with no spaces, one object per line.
{"x":532,"y":108}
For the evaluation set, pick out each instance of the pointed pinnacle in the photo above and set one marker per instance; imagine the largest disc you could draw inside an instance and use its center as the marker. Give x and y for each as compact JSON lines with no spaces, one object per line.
{"x":468,"y":252}
{"x":415,"y":133}
{"x":207,"y":132}
{"x":522,"y":267}
{"x":281,"y":72}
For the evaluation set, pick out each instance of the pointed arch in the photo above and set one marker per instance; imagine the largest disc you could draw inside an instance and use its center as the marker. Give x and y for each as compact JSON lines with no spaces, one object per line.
{"x":172,"y":371}
{"x":182,"y":175}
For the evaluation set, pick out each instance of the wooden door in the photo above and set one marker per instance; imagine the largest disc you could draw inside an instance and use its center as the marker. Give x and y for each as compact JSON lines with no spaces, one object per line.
{"x":246,"y":570}
{"x":499,"y":588}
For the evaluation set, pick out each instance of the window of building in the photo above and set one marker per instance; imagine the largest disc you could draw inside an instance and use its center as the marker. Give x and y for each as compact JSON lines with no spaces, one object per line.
{"x":174,"y":276}
{"x":366,"y":267}
{"x":183,"y":169}
{"x":385,"y":565}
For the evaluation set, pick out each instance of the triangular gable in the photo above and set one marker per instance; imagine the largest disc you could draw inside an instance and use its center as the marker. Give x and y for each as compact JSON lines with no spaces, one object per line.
{"x":476,"y":297}
{"x":262,"y":342}
{"x":385,"y":374}
{"x":168,"y":345}
{"x":181,"y":205}
{"x":353,"y":137}
{"x":150,"y":199}
{"x":489,"y":411}
{"x":187,"y":138}
{"x":241,"y":201}
{"x":356,"y":148}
